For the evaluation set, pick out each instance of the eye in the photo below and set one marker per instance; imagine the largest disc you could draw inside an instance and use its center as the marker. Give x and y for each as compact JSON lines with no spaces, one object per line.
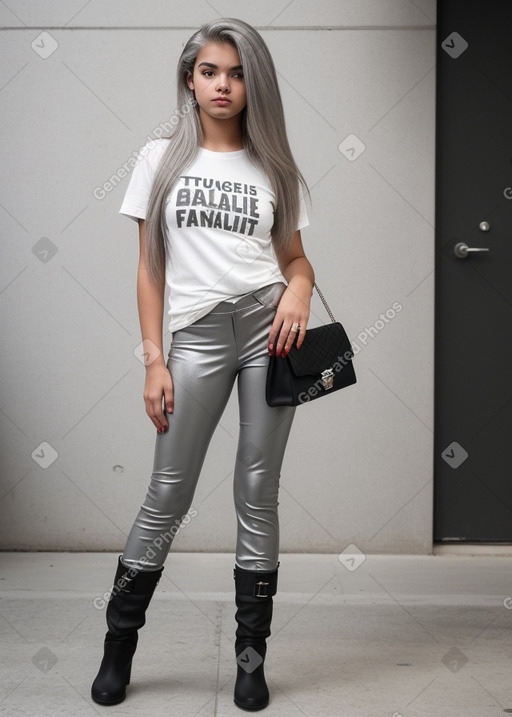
{"x":208,"y":73}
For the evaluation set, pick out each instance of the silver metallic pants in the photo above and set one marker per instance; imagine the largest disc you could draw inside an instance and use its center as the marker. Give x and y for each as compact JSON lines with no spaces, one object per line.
{"x":204,"y":360}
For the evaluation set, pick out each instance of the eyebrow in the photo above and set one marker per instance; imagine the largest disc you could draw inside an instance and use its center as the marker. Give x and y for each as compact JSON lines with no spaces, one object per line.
{"x":215,"y":67}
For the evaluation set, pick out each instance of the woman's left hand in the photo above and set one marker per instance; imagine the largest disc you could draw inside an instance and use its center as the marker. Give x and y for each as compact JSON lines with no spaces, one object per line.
{"x":292,"y":312}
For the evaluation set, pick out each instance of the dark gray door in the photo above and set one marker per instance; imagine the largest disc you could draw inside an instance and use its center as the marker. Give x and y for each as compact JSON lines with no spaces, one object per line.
{"x":473,"y":382}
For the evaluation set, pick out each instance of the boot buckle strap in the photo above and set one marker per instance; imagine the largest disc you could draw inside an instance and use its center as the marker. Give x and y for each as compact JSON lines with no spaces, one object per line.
{"x":261,"y":589}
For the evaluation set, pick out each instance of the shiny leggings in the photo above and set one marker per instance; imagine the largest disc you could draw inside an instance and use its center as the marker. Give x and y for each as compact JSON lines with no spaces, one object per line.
{"x":204,"y":360}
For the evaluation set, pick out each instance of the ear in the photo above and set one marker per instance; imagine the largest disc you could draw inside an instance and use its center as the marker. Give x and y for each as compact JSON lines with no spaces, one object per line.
{"x":190,"y":82}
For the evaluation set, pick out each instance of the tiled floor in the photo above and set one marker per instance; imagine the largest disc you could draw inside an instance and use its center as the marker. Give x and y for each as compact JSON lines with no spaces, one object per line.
{"x":394,"y":636}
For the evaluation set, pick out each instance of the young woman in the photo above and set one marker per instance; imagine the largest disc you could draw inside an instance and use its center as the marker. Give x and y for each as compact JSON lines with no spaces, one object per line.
{"x":219,"y":207}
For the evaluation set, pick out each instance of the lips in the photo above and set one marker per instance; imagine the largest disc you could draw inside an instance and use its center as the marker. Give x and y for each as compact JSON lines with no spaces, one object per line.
{"x":222,"y":101}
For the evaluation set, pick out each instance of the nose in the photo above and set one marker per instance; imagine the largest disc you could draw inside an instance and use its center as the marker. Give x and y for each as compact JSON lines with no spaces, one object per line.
{"x":223,"y":83}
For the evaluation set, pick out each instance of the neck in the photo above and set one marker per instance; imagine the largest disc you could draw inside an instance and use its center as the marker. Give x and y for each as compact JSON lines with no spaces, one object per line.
{"x":221,"y":135}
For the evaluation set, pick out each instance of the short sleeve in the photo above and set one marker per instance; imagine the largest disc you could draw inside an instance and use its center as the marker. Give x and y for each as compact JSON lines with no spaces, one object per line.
{"x":303,"y":215}
{"x":136,"y":198}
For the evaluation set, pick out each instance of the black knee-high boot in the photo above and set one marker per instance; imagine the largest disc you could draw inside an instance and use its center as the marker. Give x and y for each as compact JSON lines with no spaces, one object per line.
{"x":253,"y":597}
{"x":129,"y":600}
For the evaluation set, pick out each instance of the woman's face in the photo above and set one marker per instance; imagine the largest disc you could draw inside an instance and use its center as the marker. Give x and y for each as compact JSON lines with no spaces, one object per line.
{"x":218,"y":81}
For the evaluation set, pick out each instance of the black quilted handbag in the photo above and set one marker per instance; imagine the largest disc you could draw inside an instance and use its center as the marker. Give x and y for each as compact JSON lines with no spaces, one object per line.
{"x":322,"y":365}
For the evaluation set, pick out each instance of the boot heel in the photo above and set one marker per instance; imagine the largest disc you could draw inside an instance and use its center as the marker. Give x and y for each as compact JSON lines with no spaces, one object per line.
{"x":109,"y":687}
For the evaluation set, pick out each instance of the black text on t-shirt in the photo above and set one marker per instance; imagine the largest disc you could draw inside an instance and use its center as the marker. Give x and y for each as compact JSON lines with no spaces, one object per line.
{"x":231,"y":206}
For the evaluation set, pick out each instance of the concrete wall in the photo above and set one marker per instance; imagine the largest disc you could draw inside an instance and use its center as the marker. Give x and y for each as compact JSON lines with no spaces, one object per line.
{"x":77,"y":102}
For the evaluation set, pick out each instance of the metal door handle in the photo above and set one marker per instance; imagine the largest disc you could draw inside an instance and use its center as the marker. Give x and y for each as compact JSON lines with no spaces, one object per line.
{"x":461,"y":250}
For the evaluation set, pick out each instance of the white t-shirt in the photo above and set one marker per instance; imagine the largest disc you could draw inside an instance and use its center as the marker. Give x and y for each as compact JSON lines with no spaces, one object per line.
{"x":218,"y":218}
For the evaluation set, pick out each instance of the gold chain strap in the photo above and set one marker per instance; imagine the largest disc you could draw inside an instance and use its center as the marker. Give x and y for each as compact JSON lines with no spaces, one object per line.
{"x":324,"y":302}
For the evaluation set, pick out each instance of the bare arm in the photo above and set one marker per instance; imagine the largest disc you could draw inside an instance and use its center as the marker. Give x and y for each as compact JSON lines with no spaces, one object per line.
{"x":150,"y":301}
{"x":294,"y":304}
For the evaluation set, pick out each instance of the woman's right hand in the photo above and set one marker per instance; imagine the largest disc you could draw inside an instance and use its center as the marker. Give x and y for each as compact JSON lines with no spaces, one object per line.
{"x":158,"y":386}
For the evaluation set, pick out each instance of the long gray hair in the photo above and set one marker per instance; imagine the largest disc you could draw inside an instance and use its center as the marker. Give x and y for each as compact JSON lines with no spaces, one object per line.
{"x":263,"y":134}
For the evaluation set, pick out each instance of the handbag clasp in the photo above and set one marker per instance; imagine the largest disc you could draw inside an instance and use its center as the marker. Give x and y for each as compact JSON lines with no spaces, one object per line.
{"x":328,"y":378}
